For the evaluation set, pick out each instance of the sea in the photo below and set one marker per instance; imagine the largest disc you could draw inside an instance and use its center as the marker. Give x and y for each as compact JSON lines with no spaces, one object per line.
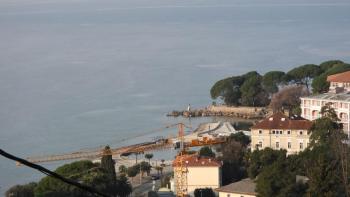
{"x":82,"y":74}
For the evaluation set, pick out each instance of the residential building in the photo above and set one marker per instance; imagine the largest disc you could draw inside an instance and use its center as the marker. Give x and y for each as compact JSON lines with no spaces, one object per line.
{"x":243,"y":188}
{"x":338,"y":96}
{"x":281,"y":132}
{"x":201,"y":172}
{"x":339,"y":82}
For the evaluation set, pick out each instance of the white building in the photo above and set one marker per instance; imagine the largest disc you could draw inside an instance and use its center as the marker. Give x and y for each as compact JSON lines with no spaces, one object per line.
{"x":201,"y":172}
{"x":338,"y":96}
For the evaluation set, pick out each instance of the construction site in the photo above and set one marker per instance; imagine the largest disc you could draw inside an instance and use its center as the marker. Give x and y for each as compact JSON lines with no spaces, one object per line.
{"x":207,"y":134}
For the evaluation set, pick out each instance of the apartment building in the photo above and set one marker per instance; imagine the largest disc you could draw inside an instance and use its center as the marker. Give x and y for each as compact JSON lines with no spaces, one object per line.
{"x":338,"y":95}
{"x":281,"y":132}
{"x":201,"y":172}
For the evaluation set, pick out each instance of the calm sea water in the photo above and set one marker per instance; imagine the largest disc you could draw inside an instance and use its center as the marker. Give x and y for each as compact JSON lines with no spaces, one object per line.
{"x":85,"y":73}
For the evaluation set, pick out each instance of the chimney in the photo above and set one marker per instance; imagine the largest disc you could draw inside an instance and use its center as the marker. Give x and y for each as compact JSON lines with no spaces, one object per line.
{"x":209,"y":160}
{"x":270,"y":119}
{"x":283,"y":119}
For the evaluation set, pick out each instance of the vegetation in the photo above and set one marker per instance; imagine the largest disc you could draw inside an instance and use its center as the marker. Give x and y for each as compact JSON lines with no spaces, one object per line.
{"x":86,"y":173}
{"x":288,"y":98}
{"x":123,"y":169}
{"x":253,"y":89}
{"x":149,"y":157}
{"x":325,"y":163}
{"x":21,"y":190}
{"x":204,"y":192}
{"x":233,"y":157}
{"x":206,"y":152}
{"x":102,"y":177}
{"x":241,"y":90}
{"x":132,"y":172}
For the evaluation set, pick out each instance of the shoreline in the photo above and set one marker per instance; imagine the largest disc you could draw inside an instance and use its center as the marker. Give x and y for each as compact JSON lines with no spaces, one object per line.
{"x":223,"y":111}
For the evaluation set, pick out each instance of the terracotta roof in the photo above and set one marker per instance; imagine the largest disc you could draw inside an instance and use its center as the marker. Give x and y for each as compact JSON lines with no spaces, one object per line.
{"x":340,"y":77}
{"x":281,"y":121}
{"x":196,"y":161}
{"x":245,"y":186}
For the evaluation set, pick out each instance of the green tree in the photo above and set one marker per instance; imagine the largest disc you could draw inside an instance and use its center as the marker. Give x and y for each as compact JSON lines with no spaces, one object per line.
{"x":252,"y":92}
{"x":329,"y":64}
{"x":159,"y":169}
{"x":204,"y":192}
{"x":145,"y":167}
{"x":271,"y":80}
{"x":149,"y":157}
{"x":233,"y":157}
{"x":133,"y":171}
{"x":241,"y":138}
{"x":108,"y":163}
{"x":84,"y":172}
{"x":124,"y":186}
{"x":228,"y":90}
{"x":21,"y":190}
{"x":320,"y":83}
{"x":273,"y":179}
{"x":123,"y":169}
{"x":259,"y":159}
{"x":206,"y":152}
{"x":303,"y":74}
{"x":327,"y":157}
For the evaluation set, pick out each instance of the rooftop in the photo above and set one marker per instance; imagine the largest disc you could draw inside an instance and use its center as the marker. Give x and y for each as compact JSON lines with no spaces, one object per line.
{"x":340,"y":77}
{"x":245,"y":186}
{"x":281,"y":121}
{"x":331,"y":96}
{"x":196,"y":161}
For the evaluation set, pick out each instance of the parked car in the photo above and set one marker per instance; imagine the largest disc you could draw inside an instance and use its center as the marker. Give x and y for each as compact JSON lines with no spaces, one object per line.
{"x":155,"y":177}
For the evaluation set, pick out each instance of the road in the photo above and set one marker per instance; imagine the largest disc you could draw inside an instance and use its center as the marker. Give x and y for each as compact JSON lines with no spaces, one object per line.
{"x":147,"y":183}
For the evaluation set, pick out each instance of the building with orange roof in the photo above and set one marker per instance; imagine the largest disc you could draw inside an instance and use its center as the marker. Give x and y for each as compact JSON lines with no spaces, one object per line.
{"x":339,"y":82}
{"x":338,"y":96}
{"x":281,"y":132}
{"x":201,"y":172}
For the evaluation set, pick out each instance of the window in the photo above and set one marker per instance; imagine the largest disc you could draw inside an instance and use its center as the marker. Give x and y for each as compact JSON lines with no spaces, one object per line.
{"x":288,"y":132}
{"x":289,"y":145}
{"x":300,"y":132}
{"x":228,"y":195}
{"x":260,"y":144}
{"x":273,"y":132}
{"x":281,"y":132}
{"x":277,"y":145}
{"x":260,"y":131}
{"x":301,"y":146}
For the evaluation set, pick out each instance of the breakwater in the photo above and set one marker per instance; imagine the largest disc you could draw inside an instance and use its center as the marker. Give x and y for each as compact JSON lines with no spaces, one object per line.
{"x":222,"y":110}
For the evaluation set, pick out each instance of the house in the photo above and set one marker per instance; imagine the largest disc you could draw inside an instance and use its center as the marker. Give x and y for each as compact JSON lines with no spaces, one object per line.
{"x":199,"y":172}
{"x":339,"y":82}
{"x":338,"y":96}
{"x":281,"y":132}
{"x":243,"y":188}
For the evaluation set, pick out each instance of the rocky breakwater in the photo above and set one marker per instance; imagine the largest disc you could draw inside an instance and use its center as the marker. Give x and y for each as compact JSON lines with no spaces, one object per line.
{"x":222,"y":110}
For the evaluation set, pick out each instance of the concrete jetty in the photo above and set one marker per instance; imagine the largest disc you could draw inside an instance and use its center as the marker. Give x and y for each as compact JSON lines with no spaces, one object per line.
{"x":223,"y":110}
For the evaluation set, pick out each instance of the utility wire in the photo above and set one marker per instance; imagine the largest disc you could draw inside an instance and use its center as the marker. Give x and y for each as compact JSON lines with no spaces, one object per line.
{"x":52,"y":174}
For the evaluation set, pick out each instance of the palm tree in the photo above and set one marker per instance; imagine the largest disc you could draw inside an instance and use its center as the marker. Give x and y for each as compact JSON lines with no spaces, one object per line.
{"x":149,"y":157}
{"x":158,"y":168}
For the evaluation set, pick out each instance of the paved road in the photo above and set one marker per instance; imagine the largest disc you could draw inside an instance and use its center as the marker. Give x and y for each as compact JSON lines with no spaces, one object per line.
{"x":147,"y":183}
